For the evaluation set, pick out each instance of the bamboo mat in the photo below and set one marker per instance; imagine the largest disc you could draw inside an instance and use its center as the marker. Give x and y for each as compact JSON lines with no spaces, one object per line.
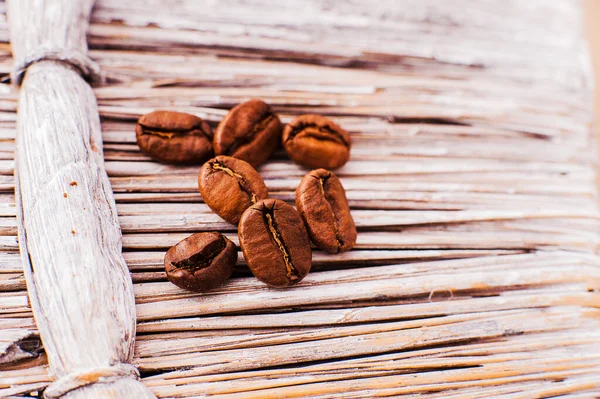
{"x":476,"y":271}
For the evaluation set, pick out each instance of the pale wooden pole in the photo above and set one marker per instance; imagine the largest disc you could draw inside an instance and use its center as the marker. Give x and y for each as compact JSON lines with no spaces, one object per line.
{"x":79,"y":286}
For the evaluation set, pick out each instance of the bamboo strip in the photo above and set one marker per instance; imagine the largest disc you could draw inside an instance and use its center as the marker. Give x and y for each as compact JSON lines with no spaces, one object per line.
{"x":389,"y":289}
{"x":276,"y":170}
{"x":520,"y":237}
{"x":552,"y":270}
{"x":364,"y":382}
{"x":200,"y":217}
{"x":516,"y":347}
{"x":192,"y":346}
{"x":368,"y":314}
{"x":148,"y":266}
{"x":501,"y":350}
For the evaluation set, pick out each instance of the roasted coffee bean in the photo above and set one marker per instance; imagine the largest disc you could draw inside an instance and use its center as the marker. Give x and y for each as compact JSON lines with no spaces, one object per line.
{"x":229,"y":186}
{"x":201,"y":262}
{"x":275,"y":243}
{"x":174,"y":137}
{"x":314,"y":141}
{"x":250,"y":131}
{"x":321,"y":201}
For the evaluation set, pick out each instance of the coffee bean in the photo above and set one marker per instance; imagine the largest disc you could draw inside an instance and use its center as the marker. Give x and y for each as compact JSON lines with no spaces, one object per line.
{"x":174,"y":137}
{"x":250,"y":131}
{"x":275,"y":243}
{"x":321,"y":201}
{"x":314,"y":141}
{"x":229,"y":186}
{"x":201,"y":262}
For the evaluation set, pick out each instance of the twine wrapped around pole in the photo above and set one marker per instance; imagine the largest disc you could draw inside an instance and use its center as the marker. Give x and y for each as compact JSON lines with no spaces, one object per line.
{"x":79,"y":285}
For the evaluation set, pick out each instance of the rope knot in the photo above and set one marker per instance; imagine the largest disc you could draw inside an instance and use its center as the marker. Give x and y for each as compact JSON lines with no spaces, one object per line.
{"x":82,"y":378}
{"x":77,"y":59}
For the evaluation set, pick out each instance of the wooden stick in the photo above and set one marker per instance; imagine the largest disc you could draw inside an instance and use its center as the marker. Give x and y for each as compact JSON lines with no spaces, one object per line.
{"x":70,"y":240}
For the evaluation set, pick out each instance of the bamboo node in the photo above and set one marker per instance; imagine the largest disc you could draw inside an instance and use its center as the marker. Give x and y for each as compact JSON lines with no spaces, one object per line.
{"x":79,"y":379}
{"x":75,"y":58}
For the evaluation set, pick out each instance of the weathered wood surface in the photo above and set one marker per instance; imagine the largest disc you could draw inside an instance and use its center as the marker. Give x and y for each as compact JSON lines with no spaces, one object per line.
{"x":476,"y":272}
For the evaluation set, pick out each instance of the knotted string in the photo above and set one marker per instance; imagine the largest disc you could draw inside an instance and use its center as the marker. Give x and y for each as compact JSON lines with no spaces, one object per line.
{"x":78,"y":379}
{"x":77,"y":59}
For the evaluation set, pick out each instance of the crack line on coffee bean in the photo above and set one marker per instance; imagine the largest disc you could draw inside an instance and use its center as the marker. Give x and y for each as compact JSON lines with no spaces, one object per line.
{"x":325,"y":129}
{"x":247,"y":138}
{"x":168,"y":135}
{"x":170,"y":132}
{"x":292,"y":273}
{"x":336,"y":230}
{"x":240,"y":179}
{"x":200,"y":260}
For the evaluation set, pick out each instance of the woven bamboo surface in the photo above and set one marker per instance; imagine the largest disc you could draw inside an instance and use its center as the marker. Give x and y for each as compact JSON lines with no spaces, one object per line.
{"x":471,"y":181}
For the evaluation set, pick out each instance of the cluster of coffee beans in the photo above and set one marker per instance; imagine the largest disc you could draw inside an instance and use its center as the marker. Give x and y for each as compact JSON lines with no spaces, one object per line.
{"x":274,"y":237}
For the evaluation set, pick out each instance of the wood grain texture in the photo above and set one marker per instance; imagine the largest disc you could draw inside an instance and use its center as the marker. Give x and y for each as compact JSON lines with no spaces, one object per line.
{"x":476,"y":271}
{"x":79,"y":287}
